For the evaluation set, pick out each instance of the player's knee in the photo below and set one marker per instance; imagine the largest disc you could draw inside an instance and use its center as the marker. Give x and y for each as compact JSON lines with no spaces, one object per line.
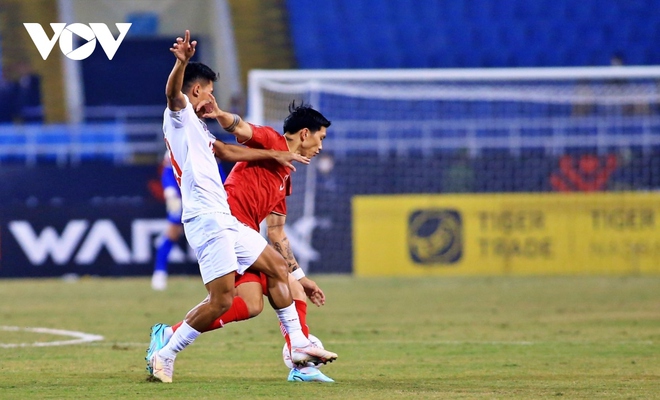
{"x":274,"y":266}
{"x":279,"y":270}
{"x":220,"y":303}
{"x":252,"y":295}
{"x":173,"y":232}
{"x":255,"y":305}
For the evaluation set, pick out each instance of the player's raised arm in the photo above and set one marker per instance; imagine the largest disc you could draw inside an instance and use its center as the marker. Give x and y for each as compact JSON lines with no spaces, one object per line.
{"x":183,"y":49}
{"x":231,"y":123}
{"x":234,"y":153}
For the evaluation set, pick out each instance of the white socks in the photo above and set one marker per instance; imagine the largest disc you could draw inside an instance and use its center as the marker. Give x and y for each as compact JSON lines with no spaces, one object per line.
{"x":183,"y":337}
{"x":289,"y":318}
{"x":168,"y":333}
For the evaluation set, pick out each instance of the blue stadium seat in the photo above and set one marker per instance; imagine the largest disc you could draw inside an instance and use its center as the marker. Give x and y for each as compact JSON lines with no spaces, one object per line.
{"x":564,"y":34}
{"x":555,"y":10}
{"x":479,"y":32}
{"x":452,"y":11}
{"x":608,"y":12}
{"x":479,"y":12}
{"x":485,"y":36}
{"x":635,"y":55}
{"x":591,"y":37}
{"x":581,"y":11}
{"x":503,"y":10}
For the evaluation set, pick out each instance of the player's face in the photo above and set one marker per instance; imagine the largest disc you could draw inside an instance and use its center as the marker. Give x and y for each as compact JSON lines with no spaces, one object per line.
{"x":202,"y":92}
{"x":312,"y":143}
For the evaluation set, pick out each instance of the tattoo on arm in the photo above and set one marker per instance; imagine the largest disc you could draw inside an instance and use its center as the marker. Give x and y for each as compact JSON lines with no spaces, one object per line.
{"x":284,"y":248}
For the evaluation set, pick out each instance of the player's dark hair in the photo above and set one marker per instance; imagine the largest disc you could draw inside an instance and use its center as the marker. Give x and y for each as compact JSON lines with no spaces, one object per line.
{"x":304,"y":116}
{"x":196,"y":71}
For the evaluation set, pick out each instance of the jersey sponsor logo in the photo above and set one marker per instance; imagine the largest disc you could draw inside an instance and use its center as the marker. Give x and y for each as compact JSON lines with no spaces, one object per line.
{"x":65,"y":33}
{"x":435,"y":236}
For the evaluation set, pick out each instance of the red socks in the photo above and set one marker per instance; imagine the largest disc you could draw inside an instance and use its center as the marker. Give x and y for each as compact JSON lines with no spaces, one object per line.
{"x":237,"y":312}
{"x":301,"y":307}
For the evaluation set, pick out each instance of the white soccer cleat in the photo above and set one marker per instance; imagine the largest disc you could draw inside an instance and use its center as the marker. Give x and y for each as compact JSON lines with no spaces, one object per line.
{"x":310,"y":353}
{"x":159,"y":280}
{"x":163,"y":368}
{"x":286,"y":354}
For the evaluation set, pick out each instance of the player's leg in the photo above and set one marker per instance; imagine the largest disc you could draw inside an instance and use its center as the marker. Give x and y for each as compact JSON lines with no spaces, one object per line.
{"x":213,"y":238}
{"x":221,"y":292}
{"x":308,"y":373}
{"x":252,"y":295}
{"x":253,"y":251}
{"x":272,"y":264}
{"x":300,"y":300}
{"x":216,"y":303}
{"x":247,"y":303}
{"x":168,"y":239}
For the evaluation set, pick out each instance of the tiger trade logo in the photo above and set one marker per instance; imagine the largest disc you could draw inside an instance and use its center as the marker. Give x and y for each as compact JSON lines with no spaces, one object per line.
{"x":435,"y":236}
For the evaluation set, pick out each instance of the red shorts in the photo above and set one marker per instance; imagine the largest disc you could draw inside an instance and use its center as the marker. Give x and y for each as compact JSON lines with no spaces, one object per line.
{"x":250,"y":276}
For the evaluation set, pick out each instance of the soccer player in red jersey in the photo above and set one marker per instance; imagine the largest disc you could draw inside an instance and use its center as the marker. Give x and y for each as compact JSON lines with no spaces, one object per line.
{"x":257,"y":191}
{"x":222,"y":245}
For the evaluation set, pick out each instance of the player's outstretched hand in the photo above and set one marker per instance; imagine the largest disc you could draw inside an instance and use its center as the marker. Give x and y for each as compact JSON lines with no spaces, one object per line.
{"x":313,"y":291}
{"x":287,"y":158}
{"x":184,"y":49}
{"x":211,"y":109}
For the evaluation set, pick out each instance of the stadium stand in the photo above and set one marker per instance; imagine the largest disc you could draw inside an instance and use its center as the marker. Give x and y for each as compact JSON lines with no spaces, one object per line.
{"x":478,"y":33}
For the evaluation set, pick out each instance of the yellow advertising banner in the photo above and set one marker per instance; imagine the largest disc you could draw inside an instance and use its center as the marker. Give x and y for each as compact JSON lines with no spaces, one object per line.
{"x":496,"y":234}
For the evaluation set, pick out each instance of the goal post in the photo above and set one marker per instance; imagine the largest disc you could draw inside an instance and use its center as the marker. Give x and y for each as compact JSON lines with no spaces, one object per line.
{"x":297,"y":81}
{"x":462,"y":131}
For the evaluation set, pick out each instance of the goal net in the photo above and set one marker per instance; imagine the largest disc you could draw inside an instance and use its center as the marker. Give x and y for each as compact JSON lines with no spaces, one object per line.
{"x":458,"y":131}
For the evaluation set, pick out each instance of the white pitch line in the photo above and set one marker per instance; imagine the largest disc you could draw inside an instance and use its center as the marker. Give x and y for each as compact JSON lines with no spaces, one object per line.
{"x":81,"y":337}
{"x":428,"y":342}
{"x":489,"y":343}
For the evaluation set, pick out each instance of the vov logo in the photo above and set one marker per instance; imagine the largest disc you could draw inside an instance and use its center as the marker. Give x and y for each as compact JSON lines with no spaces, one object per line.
{"x":64,"y":32}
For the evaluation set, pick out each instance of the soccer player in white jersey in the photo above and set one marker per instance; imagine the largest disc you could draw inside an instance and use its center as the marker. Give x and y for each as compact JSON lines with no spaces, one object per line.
{"x":222,"y":244}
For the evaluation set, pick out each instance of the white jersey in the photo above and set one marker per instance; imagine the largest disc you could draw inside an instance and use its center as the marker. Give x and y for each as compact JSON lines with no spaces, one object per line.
{"x":191,"y":150}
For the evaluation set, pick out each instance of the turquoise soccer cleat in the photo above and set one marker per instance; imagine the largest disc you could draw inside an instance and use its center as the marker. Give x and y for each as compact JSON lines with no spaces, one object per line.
{"x":157,"y":343}
{"x":310,"y":375}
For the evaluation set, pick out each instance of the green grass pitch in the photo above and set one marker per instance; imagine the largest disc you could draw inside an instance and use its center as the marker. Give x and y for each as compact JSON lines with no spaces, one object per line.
{"x":445,"y":338}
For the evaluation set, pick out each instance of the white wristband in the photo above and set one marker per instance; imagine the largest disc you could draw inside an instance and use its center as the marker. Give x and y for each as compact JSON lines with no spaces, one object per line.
{"x":298,"y":274}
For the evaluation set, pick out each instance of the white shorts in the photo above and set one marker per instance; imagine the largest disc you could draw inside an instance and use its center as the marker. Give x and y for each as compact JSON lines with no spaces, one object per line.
{"x":222,"y":244}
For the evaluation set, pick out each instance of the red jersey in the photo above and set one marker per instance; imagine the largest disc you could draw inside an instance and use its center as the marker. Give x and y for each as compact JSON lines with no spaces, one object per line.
{"x":258,"y":188}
